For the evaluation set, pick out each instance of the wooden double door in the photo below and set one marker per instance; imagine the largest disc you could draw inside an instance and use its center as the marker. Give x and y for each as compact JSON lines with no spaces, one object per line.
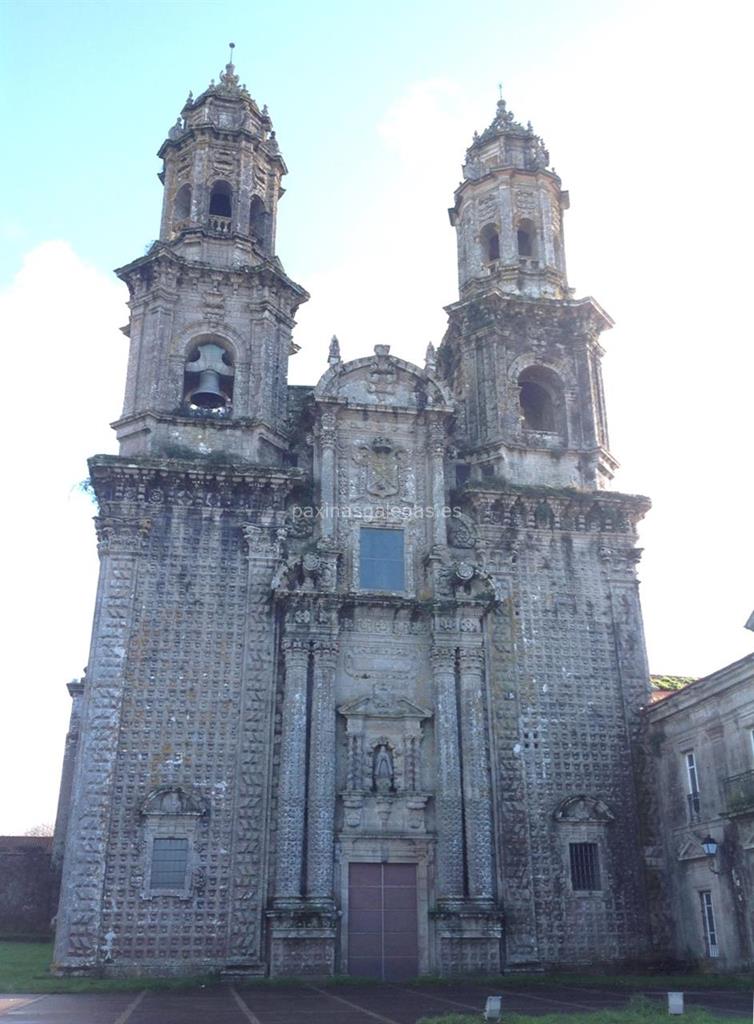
{"x":383,"y":939}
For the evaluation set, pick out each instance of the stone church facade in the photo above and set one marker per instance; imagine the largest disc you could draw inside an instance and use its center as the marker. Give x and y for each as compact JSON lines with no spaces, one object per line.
{"x":367,"y":658}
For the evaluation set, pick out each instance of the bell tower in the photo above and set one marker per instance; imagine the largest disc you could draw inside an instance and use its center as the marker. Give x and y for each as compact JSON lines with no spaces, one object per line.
{"x":211,"y":306}
{"x":521,"y":354}
{"x":508,"y":213}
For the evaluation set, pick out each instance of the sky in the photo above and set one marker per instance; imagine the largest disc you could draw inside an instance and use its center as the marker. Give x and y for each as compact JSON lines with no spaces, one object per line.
{"x":645,"y":110}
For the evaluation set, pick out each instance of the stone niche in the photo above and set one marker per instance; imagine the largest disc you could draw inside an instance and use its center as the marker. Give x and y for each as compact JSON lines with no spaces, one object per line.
{"x":383,"y":765}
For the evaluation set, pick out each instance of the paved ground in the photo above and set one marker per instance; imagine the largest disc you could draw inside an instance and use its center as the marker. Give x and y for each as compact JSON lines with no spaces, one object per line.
{"x":347,"y":1004}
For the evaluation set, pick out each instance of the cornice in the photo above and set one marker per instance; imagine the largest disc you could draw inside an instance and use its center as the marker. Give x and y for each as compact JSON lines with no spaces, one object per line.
{"x":738,"y":674}
{"x":540,"y":308}
{"x":269,"y":272}
{"x":548,"y":509}
{"x":161,"y":482}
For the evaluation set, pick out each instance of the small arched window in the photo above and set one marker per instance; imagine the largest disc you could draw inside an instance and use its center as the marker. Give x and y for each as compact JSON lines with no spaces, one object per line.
{"x":540,"y":399}
{"x":208,"y":377}
{"x":260,"y":224}
{"x":525,"y":238}
{"x":220,"y":200}
{"x":182,"y":204}
{"x":490,"y":239}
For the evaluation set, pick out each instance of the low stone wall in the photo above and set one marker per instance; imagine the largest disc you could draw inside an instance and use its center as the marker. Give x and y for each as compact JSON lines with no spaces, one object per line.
{"x":27,"y":886}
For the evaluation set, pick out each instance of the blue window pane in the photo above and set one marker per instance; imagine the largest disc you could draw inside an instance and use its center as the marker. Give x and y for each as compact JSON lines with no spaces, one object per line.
{"x":381,"y":560}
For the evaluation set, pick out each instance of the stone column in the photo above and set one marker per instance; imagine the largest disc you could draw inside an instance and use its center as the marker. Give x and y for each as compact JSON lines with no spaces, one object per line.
{"x":292,"y":785}
{"x":439,"y":523}
{"x":449,"y":802}
{"x":476,"y":774}
{"x":327,"y":493}
{"x":78,"y":935}
{"x":321,"y":806}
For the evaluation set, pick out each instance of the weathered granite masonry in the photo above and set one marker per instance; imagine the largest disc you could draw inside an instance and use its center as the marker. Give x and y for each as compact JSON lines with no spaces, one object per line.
{"x":367,"y":659}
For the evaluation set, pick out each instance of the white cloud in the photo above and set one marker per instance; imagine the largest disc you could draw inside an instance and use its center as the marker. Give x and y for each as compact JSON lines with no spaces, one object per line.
{"x":64,"y":367}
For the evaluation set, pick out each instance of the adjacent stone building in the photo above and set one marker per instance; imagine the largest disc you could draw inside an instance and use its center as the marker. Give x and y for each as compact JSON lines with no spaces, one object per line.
{"x":367,"y":660}
{"x":702,"y":744}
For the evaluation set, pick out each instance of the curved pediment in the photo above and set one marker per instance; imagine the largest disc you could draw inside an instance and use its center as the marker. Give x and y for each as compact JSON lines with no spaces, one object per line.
{"x":382,"y":379}
{"x":169,"y":800}
{"x":584,"y":809}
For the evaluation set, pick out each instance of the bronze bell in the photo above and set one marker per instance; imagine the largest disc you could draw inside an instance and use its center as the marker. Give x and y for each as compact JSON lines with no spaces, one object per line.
{"x":206,"y":373}
{"x":208,"y":394}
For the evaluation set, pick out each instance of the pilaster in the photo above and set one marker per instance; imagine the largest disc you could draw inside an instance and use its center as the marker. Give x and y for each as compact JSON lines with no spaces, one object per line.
{"x":449,"y":800}
{"x":292,"y":784}
{"x":79,"y":940}
{"x":476,"y":776}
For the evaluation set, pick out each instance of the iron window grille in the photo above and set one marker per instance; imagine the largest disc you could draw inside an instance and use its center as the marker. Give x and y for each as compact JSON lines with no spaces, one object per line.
{"x":585,"y":867}
{"x":169,"y":864}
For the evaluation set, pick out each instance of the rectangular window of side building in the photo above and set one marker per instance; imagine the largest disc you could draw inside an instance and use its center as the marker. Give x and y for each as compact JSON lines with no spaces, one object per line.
{"x":381,"y":559}
{"x":585,"y":867}
{"x":708,"y":924}
{"x":169,"y":864}
{"x":692,"y":781}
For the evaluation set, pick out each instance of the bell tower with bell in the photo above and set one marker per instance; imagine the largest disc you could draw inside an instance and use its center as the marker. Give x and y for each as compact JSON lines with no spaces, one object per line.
{"x":211,"y":306}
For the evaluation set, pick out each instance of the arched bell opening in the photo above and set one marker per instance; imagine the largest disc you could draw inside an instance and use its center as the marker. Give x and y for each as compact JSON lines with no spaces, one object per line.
{"x":541,"y":400}
{"x":208,"y":377}
{"x":220,"y":208}
{"x":525,"y":236}
{"x":260,"y":225}
{"x":489,"y":239}
{"x":182,"y":207}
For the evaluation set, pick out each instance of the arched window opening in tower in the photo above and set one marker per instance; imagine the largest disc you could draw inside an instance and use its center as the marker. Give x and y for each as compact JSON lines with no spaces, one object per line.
{"x":220,"y":207}
{"x":525,"y":239}
{"x":208,"y":378}
{"x":490,"y":242}
{"x":538,"y":409}
{"x":182,"y":205}
{"x":259,"y":224}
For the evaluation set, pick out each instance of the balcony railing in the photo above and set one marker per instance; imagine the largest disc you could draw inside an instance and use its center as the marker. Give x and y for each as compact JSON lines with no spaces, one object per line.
{"x":739,"y":792}
{"x":219,"y":225}
{"x":694,"y":806}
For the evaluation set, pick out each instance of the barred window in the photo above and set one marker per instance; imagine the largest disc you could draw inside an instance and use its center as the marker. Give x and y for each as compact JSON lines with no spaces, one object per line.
{"x":169,"y":864}
{"x":585,"y":867}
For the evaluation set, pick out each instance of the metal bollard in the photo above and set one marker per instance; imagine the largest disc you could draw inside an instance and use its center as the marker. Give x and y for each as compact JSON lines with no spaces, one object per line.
{"x":675,"y":1002}
{"x":493,"y":1008}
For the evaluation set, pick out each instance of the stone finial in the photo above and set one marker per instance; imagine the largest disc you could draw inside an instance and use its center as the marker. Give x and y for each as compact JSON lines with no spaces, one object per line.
{"x":382,"y":350}
{"x":177,"y":129}
{"x":333,"y":356}
{"x":430,"y":360}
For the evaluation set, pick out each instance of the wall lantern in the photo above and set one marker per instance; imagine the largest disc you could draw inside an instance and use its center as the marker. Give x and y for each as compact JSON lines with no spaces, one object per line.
{"x":710,"y":847}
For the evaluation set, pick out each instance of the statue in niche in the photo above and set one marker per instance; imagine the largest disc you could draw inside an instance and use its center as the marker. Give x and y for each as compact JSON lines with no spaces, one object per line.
{"x":383,"y":769}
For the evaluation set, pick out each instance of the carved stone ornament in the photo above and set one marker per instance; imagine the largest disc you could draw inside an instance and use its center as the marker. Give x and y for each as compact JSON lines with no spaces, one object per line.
{"x":382,"y":460}
{"x":315,"y":570}
{"x":584,"y":809}
{"x":462,"y":531}
{"x":173,"y":800}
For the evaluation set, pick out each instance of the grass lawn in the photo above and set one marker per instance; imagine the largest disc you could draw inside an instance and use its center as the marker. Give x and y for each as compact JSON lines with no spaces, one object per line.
{"x":641,"y":1011}
{"x":603,"y":980}
{"x":24,"y":968}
